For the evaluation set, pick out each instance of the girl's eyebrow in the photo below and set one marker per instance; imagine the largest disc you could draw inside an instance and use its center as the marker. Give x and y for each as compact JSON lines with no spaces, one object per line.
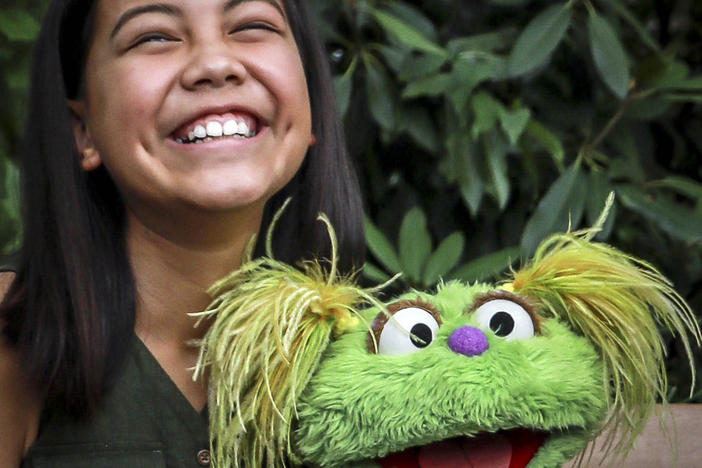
{"x":131,"y":13}
{"x":172,"y":10}
{"x":233,"y":3}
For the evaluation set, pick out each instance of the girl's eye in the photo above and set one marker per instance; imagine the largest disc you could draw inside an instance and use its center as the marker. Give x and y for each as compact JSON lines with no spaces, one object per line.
{"x":152,"y":38}
{"x":410,"y":330}
{"x":256,"y":25}
{"x":506,"y":319}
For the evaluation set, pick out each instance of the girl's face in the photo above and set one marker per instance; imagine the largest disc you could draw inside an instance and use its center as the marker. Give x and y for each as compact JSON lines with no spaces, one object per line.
{"x":163,"y":74}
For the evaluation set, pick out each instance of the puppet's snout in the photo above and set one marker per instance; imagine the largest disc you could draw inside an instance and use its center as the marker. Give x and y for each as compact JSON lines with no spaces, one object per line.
{"x":469,"y":341}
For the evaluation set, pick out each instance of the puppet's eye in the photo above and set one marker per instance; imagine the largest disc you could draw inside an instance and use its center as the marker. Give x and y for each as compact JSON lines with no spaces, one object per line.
{"x":506,"y":319}
{"x":410,"y":330}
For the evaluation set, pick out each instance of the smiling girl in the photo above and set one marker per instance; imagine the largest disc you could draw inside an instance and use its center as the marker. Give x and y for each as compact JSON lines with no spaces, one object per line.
{"x":161,"y":136}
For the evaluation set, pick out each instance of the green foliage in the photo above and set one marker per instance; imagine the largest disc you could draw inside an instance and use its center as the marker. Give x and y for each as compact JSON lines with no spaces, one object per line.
{"x":480,"y":127}
{"x":513,"y":119}
{"x":539,"y":39}
{"x":19,"y":25}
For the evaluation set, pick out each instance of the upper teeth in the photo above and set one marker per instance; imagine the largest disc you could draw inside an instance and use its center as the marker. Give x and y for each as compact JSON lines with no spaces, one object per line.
{"x":214,"y":128}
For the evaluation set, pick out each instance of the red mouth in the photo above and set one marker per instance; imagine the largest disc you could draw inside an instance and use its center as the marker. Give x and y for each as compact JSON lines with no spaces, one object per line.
{"x":506,"y":449}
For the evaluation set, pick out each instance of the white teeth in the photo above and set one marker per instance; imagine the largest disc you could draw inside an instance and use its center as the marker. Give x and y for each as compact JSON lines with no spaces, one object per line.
{"x":214,"y":129}
{"x":199,"y":131}
{"x":230,"y":127}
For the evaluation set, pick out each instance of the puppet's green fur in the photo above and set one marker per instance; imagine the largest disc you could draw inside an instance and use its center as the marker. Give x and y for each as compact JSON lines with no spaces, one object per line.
{"x":618,"y":302}
{"x":272,"y":323}
{"x":276,"y":364}
{"x":363,"y":406}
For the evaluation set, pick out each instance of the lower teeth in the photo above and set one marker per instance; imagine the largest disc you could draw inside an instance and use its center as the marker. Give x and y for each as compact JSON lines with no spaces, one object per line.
{"x":207,"y":139}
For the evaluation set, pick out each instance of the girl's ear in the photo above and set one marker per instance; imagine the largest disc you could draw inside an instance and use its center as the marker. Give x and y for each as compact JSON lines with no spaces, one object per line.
{"x":89,"y":156}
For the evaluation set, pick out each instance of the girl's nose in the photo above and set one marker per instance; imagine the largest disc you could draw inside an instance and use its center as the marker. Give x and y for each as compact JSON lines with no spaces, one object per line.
{"x":213,"y":66}
{"x":469,"y":341}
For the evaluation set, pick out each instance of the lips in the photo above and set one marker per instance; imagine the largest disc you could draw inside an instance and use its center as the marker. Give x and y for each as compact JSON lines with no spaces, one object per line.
{"x":505,"y":449}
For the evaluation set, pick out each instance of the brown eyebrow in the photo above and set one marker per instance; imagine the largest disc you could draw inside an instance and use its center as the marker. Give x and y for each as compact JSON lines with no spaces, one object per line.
{"x":382,"y":318}
{"x":523,"y":301}
{"x":171,"y":10}
{"x":131,"y":13}
{"x":233,"y":3}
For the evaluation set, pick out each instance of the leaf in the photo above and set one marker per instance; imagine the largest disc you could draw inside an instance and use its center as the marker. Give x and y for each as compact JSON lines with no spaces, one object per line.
{"x":514,"y":122}
{"x":650,"y":108}
{"x":394,"y":56}
{"x":487,"y":266}
{"x":496,"y":155}
{"x":415,"y":18}
{"x":671,"y":217}
{"x":673,"y":73}
{"x":444,"y":258}
{"x":487,"y":42}
{"x":465,"y":169}
{"x":374,"y":273}
{"x":669,"y":98}
{"x":422,"y":130}
{"x":405,"y":33}
{"x":466,"y":75}
{"x":562,"y":203}
{"x":691,"y":84}
{"x":343,"y":87}
{"x":414,"y":68}
{"x":414,"y":243}
{"x":18,"y":25}
{"x":683,"y":185}
{"x":10,"y":217}
{"x":548,"y":140}
{"x":429,"y":86}
{"x":539,"y":39}
{"x":380,"y":247}
{"x":379,"y":91}
{"x":609,"y":55}
{"x":485,"y":111}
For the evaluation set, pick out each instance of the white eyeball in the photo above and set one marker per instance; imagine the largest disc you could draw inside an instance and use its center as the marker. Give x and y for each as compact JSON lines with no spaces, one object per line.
{"x":506,"y":319}
{"x":403,"y":332}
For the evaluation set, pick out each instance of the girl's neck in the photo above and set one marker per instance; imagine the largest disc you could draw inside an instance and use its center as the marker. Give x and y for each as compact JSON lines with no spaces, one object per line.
{"x":172,"y":273}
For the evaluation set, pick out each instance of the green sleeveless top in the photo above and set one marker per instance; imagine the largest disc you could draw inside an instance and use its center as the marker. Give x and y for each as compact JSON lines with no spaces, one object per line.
{"x":143,"y":422}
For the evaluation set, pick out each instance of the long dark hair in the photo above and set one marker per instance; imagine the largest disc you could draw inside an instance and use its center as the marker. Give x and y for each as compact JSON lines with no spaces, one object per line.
{"x":70,"y":309}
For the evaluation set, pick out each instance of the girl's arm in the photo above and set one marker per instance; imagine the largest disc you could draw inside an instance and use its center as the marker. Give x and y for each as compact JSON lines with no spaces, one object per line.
{"x":20,"y":404}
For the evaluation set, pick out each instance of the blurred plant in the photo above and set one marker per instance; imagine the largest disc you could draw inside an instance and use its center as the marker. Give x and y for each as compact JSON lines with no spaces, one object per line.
{"x":491,"y":124}
{"x":18,"y":28}
{"x":480,"y":127}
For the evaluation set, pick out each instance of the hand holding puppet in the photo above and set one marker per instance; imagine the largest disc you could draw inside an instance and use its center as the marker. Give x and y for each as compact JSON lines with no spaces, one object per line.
{"x":307,"y":368}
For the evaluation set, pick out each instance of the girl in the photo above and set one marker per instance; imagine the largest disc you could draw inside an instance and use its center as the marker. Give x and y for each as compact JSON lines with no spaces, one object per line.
{"x":162,"y":135}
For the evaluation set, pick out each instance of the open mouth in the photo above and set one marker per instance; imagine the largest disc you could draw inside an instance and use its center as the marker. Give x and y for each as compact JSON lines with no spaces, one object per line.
{"x":216,"y":127}
{"x":505,"y":449}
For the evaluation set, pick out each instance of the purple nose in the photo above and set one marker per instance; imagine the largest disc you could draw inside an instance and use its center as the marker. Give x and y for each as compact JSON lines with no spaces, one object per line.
{"x":468,"y":341}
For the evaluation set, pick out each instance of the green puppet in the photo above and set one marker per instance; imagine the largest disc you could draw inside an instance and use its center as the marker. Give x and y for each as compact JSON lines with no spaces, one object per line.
{"x":307,"y":368}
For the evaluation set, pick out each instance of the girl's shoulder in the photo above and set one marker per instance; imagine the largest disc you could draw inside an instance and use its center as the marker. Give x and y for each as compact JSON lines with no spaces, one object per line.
{"x":20,"y":403}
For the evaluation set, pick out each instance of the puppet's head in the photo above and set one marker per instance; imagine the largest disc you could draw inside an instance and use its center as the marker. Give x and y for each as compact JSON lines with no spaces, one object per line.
{"x":520,"y":373}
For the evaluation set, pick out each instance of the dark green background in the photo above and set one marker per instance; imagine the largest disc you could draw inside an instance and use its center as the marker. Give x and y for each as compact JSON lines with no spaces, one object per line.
{"x":479,"y":127}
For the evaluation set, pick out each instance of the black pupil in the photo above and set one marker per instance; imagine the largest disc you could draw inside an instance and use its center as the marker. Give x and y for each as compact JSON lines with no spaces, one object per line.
{"x":502,"y":324}
{"x":420,"y":332}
